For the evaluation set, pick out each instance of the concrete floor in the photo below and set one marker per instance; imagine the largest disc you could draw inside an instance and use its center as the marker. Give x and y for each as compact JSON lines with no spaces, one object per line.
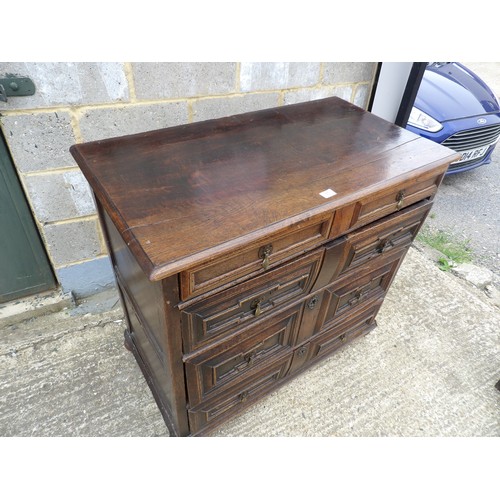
{"x":428,"y":369}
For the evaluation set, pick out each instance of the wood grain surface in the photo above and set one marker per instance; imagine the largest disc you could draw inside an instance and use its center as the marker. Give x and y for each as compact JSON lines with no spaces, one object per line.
{"x":187,"y":194}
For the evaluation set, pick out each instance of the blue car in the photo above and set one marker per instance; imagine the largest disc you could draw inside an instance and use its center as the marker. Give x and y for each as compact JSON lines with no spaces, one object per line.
{"x":454,"y":107}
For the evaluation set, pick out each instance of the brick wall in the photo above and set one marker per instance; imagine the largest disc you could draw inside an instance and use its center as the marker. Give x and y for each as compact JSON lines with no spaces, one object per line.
{"x":77,"y":102}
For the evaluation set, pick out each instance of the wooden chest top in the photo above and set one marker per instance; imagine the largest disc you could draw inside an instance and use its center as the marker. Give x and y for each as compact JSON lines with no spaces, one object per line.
{"x":184,"y":195}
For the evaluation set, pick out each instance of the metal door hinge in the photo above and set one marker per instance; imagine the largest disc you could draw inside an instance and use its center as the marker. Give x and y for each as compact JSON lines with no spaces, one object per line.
{"x":15,"y":86}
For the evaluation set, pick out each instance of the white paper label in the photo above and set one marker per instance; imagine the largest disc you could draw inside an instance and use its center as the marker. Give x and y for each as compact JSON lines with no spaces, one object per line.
{"x":328,"y":193}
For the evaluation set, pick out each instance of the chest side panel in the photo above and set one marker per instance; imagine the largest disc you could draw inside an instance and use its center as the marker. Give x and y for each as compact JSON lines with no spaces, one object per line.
{"x":154,"y":327}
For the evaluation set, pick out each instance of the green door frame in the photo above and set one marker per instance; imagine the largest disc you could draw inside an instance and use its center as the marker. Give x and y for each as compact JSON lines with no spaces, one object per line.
{"x":24,"y":266}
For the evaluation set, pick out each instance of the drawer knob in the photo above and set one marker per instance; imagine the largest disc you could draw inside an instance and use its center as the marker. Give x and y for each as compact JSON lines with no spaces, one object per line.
{"x":243,"y":396}
{"x":384,"y":246}
{"x":357,"y":297}
{"x":264,"y":253}
{"x":313,"y":302}
{"x":342,"y":338}
{"x":256,"y":306}
{"x":301,"y":352}
{"x":249,"y":358}
{"x":400,"y":197}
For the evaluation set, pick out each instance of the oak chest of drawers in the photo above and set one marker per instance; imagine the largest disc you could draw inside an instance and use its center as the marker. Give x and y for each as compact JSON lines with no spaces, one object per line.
{"x":248,"y":248}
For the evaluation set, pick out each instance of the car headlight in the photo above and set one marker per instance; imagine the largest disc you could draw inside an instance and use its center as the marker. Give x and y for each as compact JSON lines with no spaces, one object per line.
{"x":422,"y":120}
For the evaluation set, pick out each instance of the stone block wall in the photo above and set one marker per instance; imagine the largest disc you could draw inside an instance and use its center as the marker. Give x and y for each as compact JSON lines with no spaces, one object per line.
{"x":77,"y":102}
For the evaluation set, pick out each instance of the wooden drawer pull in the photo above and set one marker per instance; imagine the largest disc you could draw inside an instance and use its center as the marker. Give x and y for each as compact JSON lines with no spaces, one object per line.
{"x":249,"y":357}
{"x":243,"y":396}
{"x":313,"y":302}
{"x":264,"y":253}
{"x":301,"y":352}
{"x":384,"y":246}
{"x":358,"y":296}
{"x":255,"y":305}
{"x":248,"y":360}
{"x":400,"y":197}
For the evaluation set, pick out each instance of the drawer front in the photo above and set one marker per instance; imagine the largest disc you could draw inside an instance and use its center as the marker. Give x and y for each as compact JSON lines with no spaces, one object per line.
{"x":221,"y":367}
{"x":389,"y":236}
{"x":334,"y":338}
{"x":392,"y":200}
{"x":255,"y":258}
{"x":382,"y":239}
{"x":249,"y":302}
{"x":217,"y":410}
{"x":345,"y":296}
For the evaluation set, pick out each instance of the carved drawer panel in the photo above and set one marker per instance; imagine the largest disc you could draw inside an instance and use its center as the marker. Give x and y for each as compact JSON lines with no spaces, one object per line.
{"x":218,"y":409}
{"x":345,"y":295}
{"x":255,"y":258}
{"x":334,"y":338}
{"x":392,"y":200}
{"x":248,"y":302}
{"x":221,"y":367}
{"x":390,"y":236}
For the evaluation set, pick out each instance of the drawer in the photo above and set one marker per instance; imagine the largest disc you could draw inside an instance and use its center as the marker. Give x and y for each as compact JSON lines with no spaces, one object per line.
{"x":388,"y":236}
{"x":249,"y":302}
{"x":220,"y":368}
{"x":216,"y":410}
{"x":385,"y":238}
{"x":394,"y":199}
{"x":334,"y":338}
{"x":346,"y":295}
{"x":256,"y":258}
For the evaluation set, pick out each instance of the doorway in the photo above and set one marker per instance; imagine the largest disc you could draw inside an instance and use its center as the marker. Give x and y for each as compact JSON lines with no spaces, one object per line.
{"x":24,"y":266}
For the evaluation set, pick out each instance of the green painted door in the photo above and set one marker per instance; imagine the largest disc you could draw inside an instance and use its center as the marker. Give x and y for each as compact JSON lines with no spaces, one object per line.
{"x":24,"y":266}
